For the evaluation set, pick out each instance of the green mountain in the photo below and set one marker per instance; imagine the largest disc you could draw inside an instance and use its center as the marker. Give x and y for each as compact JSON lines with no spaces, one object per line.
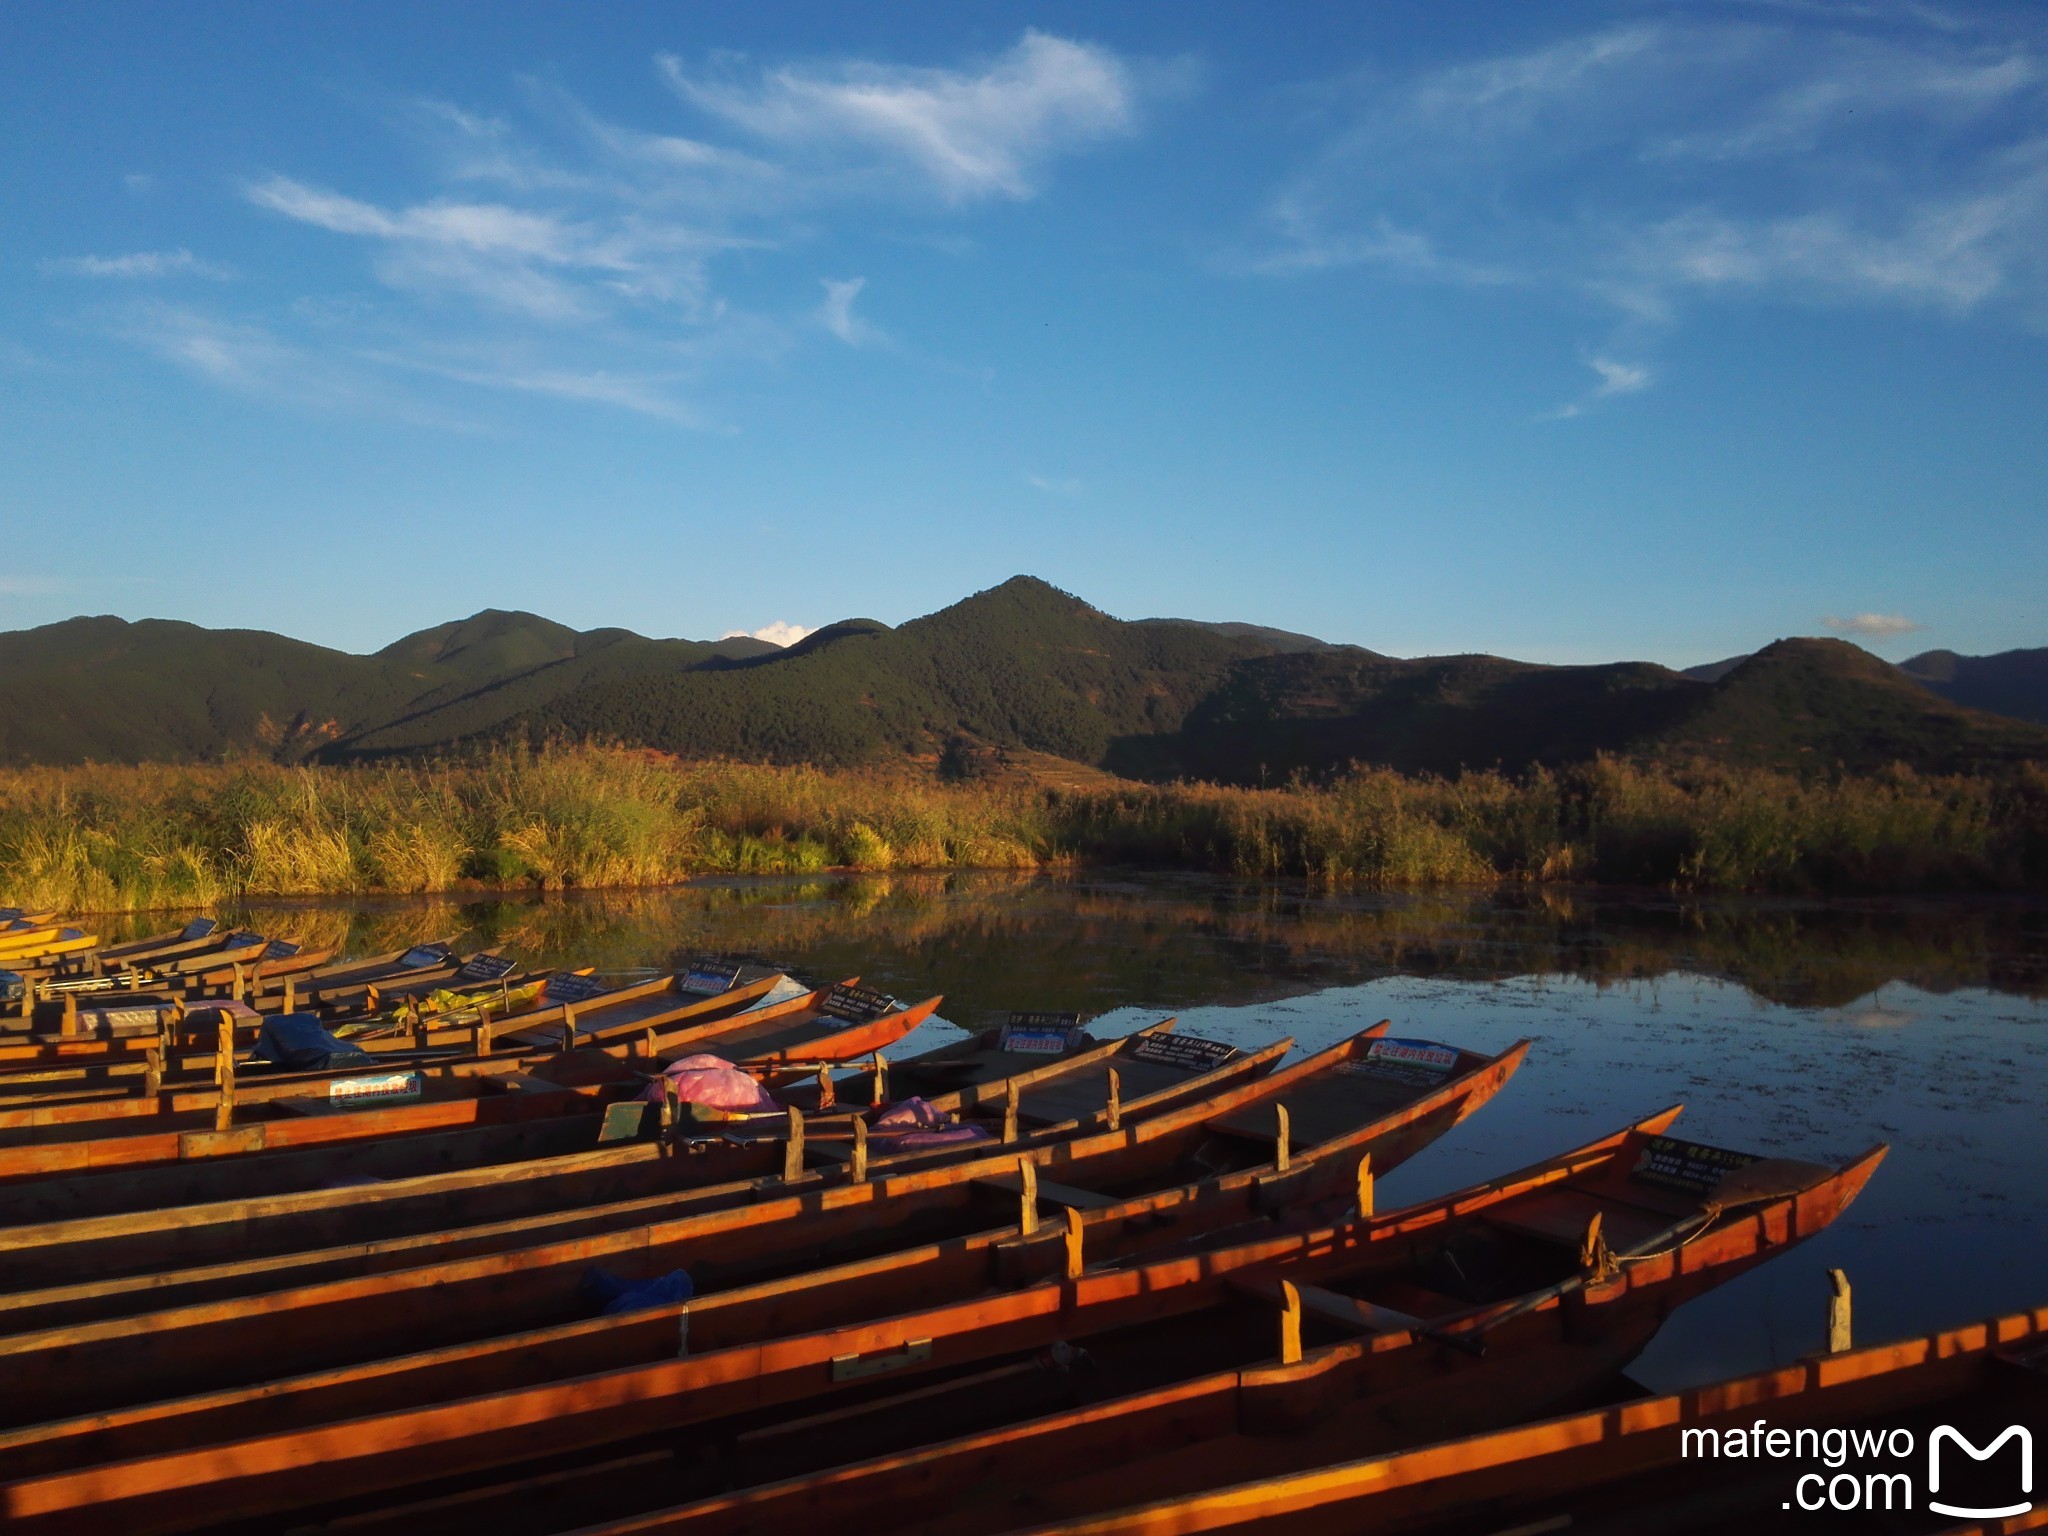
{"x":1817,"y":703}
{"x":1022,"y":667}
{"x":157,"y":690}
{"x":1797,"y":704}
{"x":2010,"y":683}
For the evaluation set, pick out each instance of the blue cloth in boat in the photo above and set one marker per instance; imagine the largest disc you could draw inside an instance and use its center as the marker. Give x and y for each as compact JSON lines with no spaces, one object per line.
{"x":297,"y":1043}
{"x":614,"y":1293}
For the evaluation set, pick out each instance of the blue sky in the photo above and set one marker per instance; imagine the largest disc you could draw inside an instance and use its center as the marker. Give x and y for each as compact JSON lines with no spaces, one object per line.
{"x":1568,"y":332}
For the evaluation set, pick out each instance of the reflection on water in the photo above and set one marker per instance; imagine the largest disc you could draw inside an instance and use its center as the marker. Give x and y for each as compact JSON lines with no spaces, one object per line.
{"x":999,"y":941}
{"x":1811,"y":1029}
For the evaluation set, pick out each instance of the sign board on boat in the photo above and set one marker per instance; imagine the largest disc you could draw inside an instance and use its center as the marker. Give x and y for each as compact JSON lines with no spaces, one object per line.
{"x":109,"y":1022}
{"x":478,"y":968}
{"x":280,"y":949}
{"x":198,"y":928}
{"x":709,"y":977}
{"x":856,"y":1005}
{"x":568,"y":987}
{"x":241,"y":938}
{"x":1039,"y":1034}
{"x":1423,"y":1063}
{"x":382,"y":1088}
{"x":1191,"y":1053}
{"x":1692,"y":1166}
{"x":420,"y":956}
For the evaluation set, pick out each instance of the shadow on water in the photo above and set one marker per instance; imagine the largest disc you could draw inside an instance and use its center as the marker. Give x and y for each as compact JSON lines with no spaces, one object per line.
{"x":1808,"y":1028}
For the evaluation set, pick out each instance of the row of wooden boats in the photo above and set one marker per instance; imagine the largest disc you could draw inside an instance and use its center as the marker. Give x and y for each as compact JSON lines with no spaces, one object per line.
{"x":697,"y":1255}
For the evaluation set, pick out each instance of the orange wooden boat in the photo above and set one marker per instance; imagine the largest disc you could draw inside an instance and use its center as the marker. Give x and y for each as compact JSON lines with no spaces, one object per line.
{"x":27,"y":948}
{"x":1211,"y":1314}
{"x":117,"y":1253}
{"x":298,"y":1146}
{"x":642,"y":1020}
{"x":1647,"y":1466}
{"x":539,"y":1327}
{"x":105,"y":965}
{"x":1484,"y":1307}
{"x":208,"y":968}
{"x":571,"y":1006}
{"x":567,"y":1180}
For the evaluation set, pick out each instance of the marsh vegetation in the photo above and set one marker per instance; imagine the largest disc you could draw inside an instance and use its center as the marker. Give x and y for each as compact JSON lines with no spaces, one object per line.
{"x":128,"y":838}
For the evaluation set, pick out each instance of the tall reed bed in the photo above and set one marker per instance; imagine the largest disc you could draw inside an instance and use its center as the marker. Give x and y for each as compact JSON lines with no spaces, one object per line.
{"x":113,"y":838}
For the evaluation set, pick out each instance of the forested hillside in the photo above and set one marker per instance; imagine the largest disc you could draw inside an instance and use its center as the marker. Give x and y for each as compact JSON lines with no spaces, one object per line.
{"x":1022,"y":667}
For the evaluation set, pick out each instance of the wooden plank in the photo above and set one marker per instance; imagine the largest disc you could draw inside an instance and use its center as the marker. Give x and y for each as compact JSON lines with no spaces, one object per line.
{"x":1050,"y":1192}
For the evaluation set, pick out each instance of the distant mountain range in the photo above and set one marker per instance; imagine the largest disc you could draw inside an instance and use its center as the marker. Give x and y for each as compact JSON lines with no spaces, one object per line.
{"x":1020,"y":667}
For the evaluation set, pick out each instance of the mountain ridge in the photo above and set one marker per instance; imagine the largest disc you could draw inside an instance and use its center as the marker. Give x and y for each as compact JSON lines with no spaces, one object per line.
{"x":1022,"y":667}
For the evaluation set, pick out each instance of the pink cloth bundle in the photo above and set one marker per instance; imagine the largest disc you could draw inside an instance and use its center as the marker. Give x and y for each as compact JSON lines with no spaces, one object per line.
{"x":712,"y":1081}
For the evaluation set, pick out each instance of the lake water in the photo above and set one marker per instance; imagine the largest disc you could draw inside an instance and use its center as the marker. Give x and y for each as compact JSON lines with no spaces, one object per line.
{"x":1806,"y":1029}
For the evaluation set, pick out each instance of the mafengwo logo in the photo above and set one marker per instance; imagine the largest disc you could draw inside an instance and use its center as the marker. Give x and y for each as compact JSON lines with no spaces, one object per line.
{"x":1868,"y":1470}
{"x":1946,"y":1436}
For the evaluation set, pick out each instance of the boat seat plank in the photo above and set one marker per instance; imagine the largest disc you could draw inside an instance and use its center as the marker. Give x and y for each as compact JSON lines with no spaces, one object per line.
{"x":591,"y":1016}
{"x":1323,"y":1108}
{"x":1561,"y":1216}
{"x":1416,"y":1301}
{"x":1345,"y":1311}
{"x":1049,"y":1192}
{"x":1082,"y":1093}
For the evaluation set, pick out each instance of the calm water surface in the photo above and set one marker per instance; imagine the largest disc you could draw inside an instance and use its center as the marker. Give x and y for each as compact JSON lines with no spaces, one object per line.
{"x":1805,"y":1029}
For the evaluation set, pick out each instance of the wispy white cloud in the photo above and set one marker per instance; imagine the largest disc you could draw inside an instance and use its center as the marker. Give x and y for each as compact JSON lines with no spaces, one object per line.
{"x":837,"y":316}
{"x":1795,"y":155}
{"x":254,"y":360}
{"x":1873,"y":626}
{"x":1616,"y":378}
{"x":1053,"y":486}
{"x":964,"y":133}
{"x":781,"y":632}
{"x":555,"y":253}
{"x":29,"y":586}
{"x":644,"y":395}
{"x":137,"y":264}
{"x":512,"y":258}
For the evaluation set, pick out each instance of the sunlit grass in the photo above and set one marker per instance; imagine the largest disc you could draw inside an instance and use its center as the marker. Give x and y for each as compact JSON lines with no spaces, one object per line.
{"x":99,"y":839}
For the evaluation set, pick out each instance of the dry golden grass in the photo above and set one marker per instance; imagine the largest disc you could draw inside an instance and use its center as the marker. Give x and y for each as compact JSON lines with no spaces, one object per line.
{"x":99,"y":839}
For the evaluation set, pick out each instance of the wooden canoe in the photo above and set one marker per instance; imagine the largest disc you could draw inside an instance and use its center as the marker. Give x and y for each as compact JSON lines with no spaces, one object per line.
{"x":330,"y":987}
{"x":642,"y":1020}
{"x":115,"y":964}
{"x":517,"y":1317}
{"x":557,"y":1179}
{"x":192,"y":936}
{"x":619,"y":1017}
{"x":249,"y":979}
{"x":279,"y":1153}
{"x":1530,"y":1328}
{"x":1634,"y":1467}
{"x":110,"y":1293}
{"x":147,"y":1260}
{"x":30,"y":947}
{"x":1205,"y":1315}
